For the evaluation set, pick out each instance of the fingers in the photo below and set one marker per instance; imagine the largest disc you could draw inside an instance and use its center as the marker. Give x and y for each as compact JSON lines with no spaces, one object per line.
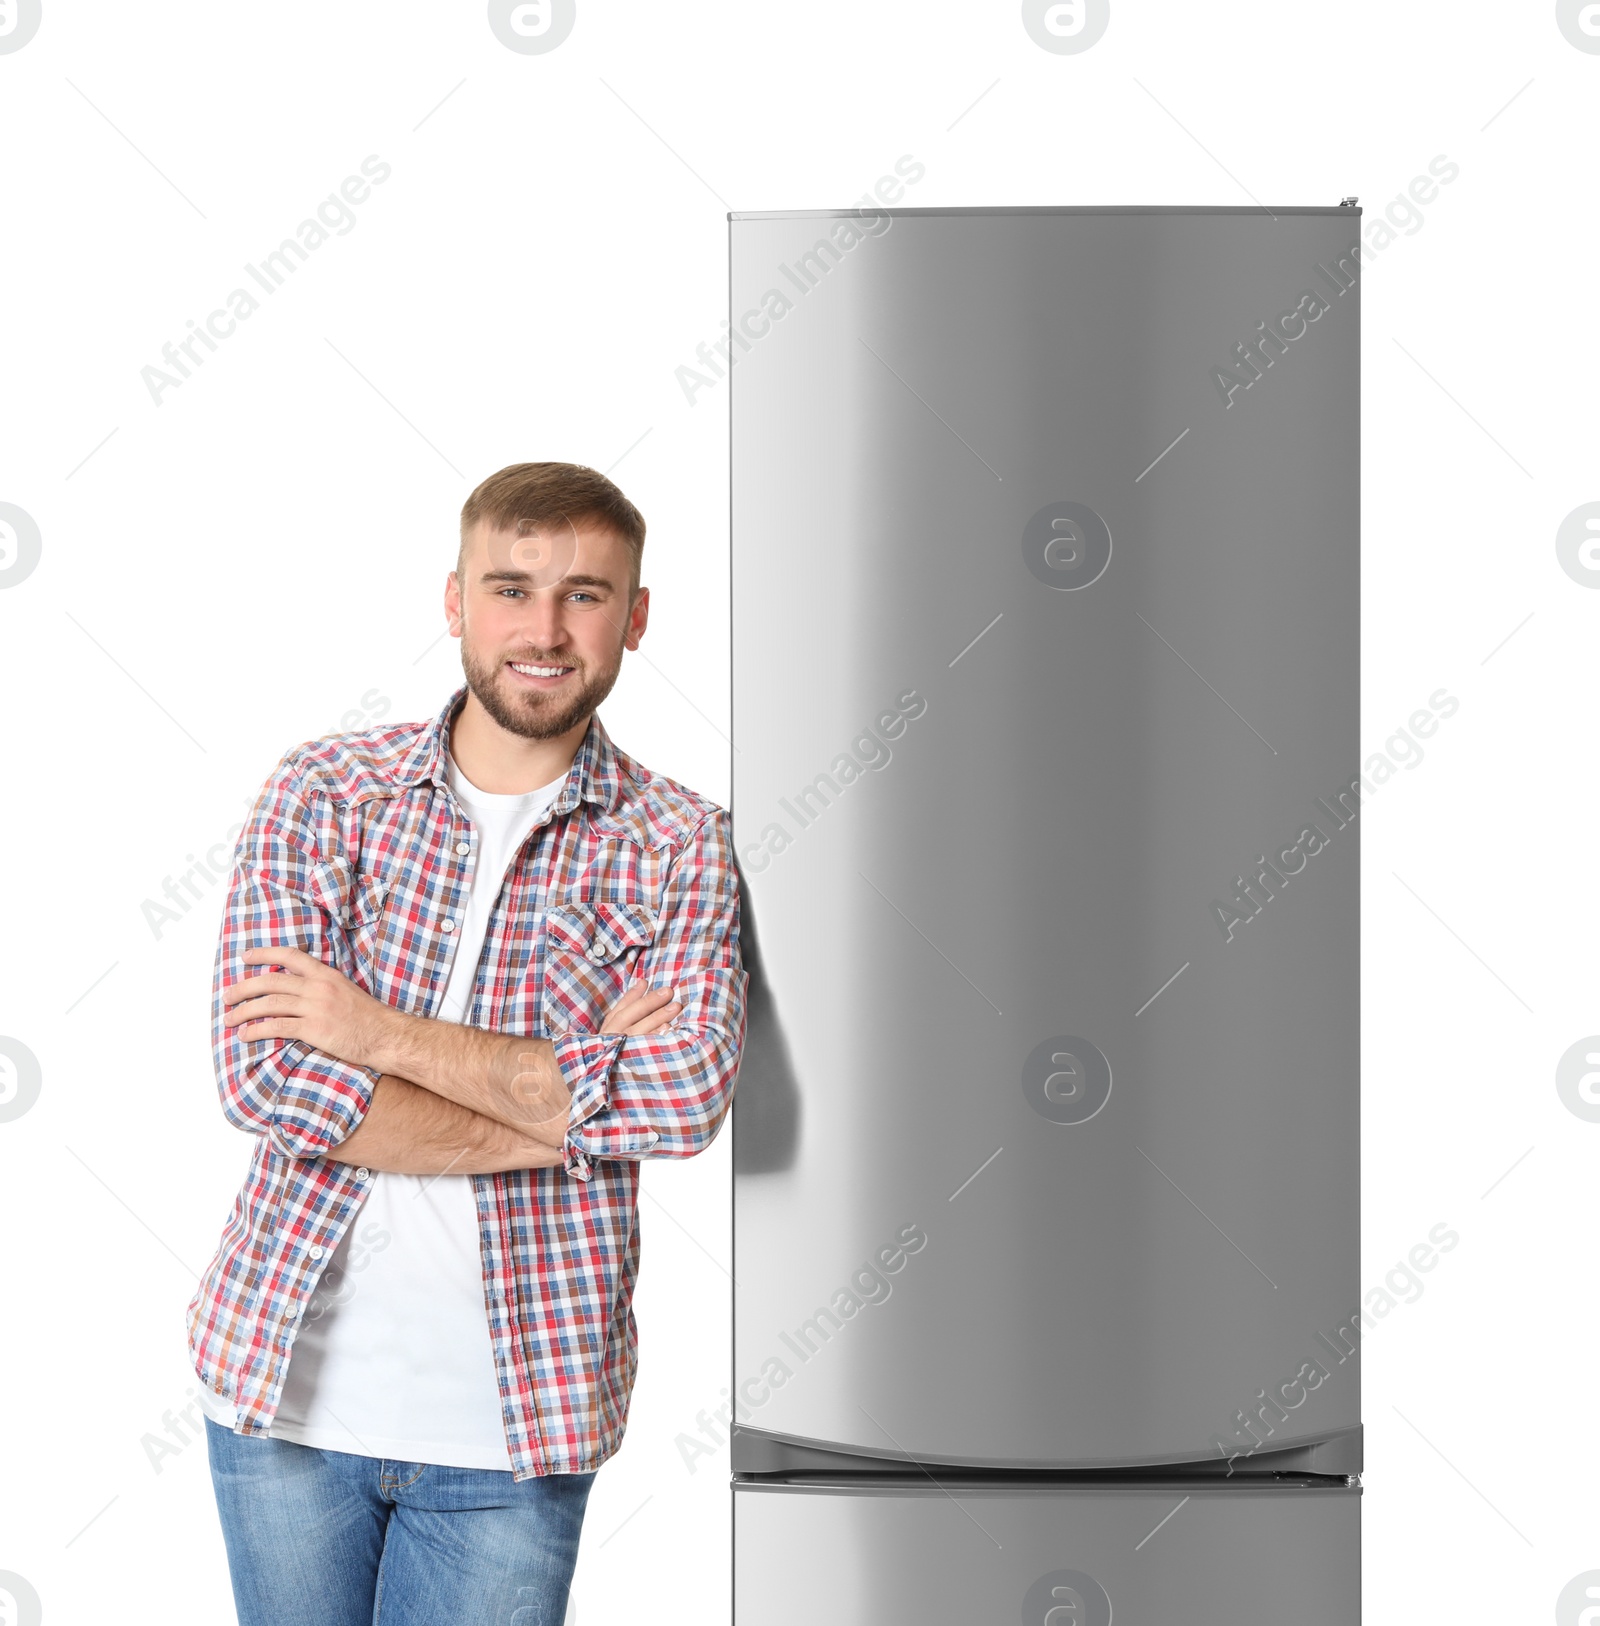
{"x":253,"y":1010}
{"x":651,"y":1025}
{"x":265,"y":982}
{"x":267,"y":1027}
{"x":641,"y":1009}
{"x":269,"y":982}
{"x":638,"y":1001}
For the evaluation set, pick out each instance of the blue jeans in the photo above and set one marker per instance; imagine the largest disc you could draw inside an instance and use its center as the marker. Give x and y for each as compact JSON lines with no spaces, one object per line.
{"x":327,"y":1538}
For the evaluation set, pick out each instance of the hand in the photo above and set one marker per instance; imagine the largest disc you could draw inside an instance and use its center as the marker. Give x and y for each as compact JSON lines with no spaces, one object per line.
{"x":309,"y":1001}
{"x":642,"y":1009}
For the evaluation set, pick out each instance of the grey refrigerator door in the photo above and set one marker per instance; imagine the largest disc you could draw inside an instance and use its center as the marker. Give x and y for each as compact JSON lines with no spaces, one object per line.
{"x":1045,"y":794}
{"x":1151,"y":1556}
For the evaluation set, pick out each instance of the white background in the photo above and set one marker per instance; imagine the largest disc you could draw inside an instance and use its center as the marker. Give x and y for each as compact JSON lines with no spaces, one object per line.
{"x":232,"y":570}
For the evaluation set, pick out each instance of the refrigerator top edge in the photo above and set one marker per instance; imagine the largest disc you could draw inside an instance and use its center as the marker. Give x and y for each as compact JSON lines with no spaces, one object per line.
{"x":1054,"y":209}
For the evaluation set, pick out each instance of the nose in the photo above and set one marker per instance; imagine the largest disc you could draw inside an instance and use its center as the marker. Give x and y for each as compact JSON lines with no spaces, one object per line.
{"x":542,"y":623}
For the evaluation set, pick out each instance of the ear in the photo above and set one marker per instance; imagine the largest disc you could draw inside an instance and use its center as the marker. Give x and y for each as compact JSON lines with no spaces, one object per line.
{"x":638,"y":619}
{"x":452,"y":604}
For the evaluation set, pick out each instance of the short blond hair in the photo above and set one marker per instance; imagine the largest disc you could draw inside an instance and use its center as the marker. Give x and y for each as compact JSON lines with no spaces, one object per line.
{"x":546,"y":491}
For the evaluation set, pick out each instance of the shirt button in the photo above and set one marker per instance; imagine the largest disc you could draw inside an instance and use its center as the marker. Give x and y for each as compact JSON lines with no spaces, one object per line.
{"x":447,"y":925}
{"x":363,"y":1174}
{"x":315,"y":1253}
{"x":597,"y":951}
{"x":463,"y":847}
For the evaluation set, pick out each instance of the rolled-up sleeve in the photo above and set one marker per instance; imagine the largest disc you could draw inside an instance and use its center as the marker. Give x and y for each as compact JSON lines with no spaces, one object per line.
{"x":284,"y":892}
{"x":665,"y":1094}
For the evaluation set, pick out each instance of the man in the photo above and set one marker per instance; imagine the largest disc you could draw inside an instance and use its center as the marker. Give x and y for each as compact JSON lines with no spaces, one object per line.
{"x":471,"y":972}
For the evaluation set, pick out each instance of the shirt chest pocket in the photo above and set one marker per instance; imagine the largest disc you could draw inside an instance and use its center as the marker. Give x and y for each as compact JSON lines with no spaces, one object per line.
{"x":591,"y":950}
{"x":354,"y":901}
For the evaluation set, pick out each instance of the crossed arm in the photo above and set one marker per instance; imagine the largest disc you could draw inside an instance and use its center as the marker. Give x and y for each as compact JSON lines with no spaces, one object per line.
{"x":449,"y":1099}
{"x":410,"y":1130}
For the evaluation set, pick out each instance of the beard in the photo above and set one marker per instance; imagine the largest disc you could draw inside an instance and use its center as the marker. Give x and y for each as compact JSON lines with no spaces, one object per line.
{"x":528,"y":712}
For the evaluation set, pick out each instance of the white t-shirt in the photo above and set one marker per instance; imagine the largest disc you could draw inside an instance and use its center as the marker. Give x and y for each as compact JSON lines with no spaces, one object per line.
{"x":393,"y":1356}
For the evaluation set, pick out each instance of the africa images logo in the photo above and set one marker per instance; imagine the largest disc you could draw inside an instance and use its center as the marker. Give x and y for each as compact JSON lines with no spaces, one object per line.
{"x":532,"y":27}
{"x":1579,"y":1603}
{"x":1579,"y":22}
{"x":1066,"y":1598}
{"x":1067,"y":546}
{"x":1065,"y":26}
{"x":19,"y":22}
{"x":1578,"y":542}
{"x":21,"y":1079}
{"x":20,"y":544}
{"x":1578,"y":1083}
{"x":1066,"y":1080}
{"x":19,"y":1603}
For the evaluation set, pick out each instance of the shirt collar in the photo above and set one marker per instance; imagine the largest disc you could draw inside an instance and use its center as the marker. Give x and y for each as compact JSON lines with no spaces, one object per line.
{"x":593,"y":777}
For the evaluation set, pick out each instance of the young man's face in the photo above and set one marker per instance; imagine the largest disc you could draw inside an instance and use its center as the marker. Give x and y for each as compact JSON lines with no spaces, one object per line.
{"x":543,"y":614}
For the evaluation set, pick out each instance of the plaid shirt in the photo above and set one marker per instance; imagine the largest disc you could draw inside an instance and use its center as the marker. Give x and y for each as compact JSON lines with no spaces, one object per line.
{"x":357,"y":851}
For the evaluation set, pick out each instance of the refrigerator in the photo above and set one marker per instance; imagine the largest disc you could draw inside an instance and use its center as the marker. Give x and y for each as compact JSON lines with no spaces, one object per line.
{"x":1046,"y":795}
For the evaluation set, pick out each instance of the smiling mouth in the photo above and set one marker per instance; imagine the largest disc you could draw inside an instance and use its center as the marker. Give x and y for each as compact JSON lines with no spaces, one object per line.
{"x":541,"y":675}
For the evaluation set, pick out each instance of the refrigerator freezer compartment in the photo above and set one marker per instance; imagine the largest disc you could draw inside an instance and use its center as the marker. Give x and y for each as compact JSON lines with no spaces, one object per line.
{"x":874,"y":1554}
{"x":1046,"y":1143}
